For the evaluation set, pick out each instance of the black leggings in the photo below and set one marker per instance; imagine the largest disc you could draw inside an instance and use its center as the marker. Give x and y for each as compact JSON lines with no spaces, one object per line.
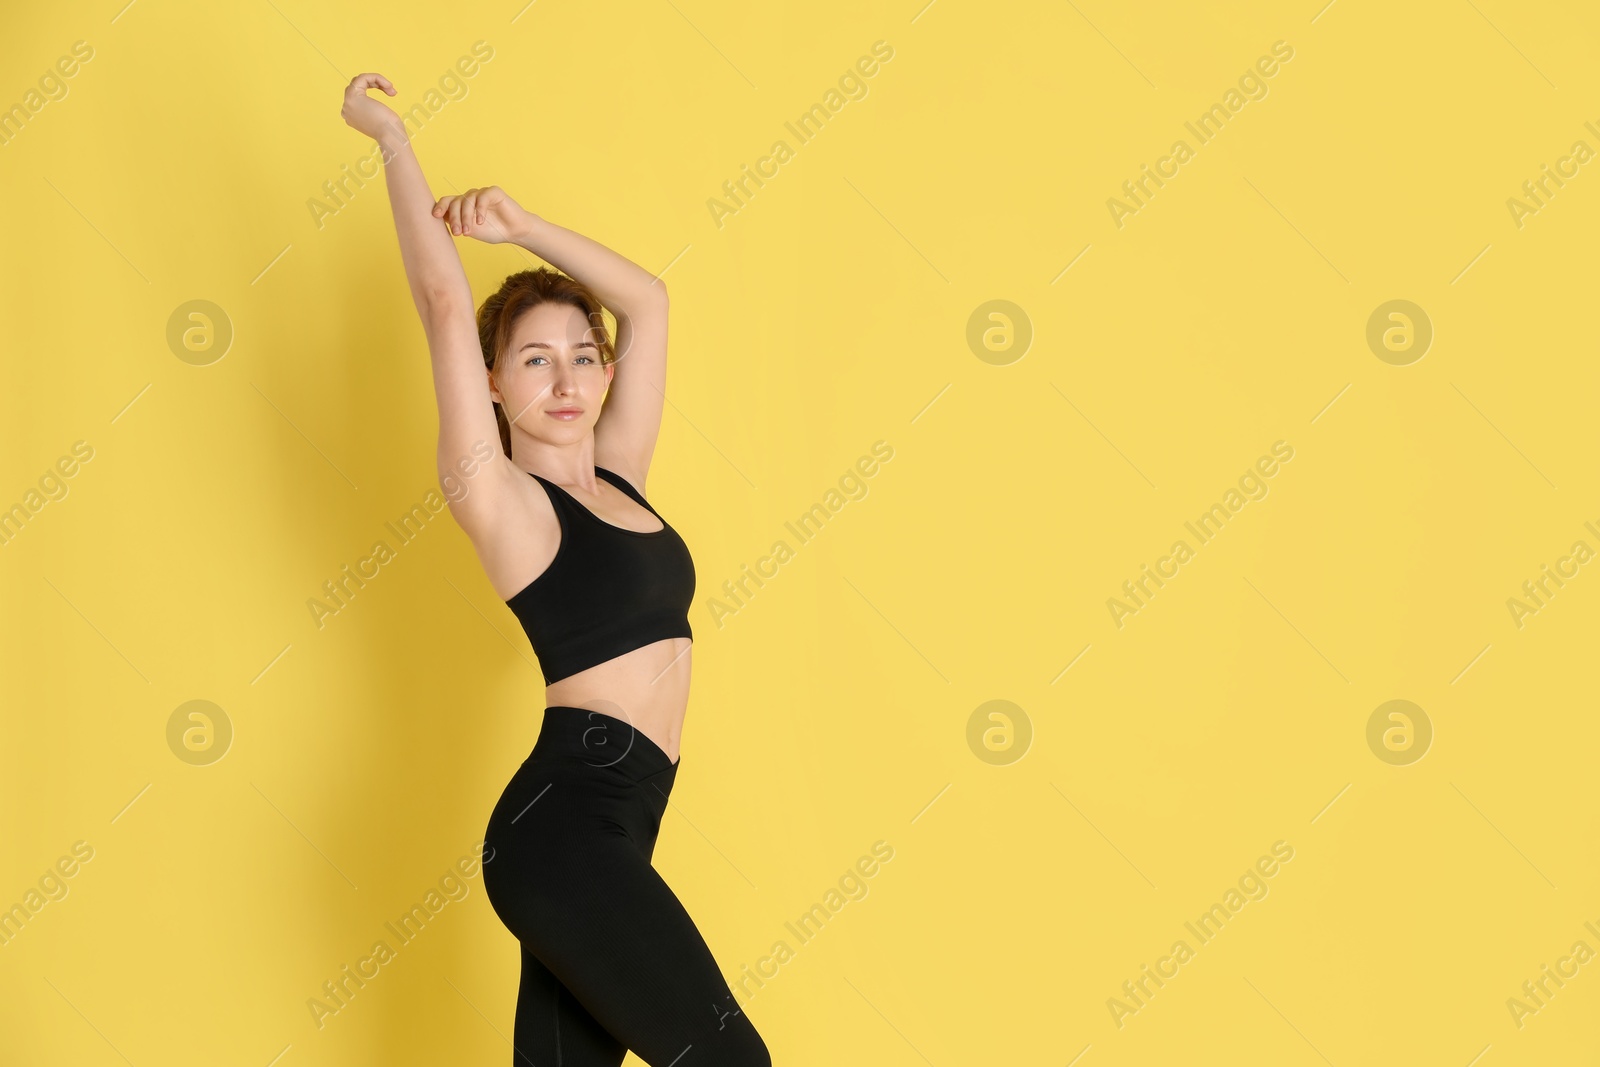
{"x":611,"y":961}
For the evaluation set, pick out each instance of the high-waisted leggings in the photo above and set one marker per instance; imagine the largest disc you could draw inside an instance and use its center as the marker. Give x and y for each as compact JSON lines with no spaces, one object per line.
{"x":611,"y":961}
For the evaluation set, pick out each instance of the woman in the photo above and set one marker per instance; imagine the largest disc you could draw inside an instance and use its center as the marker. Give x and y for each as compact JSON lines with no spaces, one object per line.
{"x":602,"y":585}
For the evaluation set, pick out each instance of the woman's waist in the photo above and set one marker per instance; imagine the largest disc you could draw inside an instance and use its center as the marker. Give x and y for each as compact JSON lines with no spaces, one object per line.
{"x":648,"y":686}
{"x":602,"y":735}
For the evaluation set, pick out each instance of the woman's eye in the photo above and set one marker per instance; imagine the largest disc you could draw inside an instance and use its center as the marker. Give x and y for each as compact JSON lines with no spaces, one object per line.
{"x":531,"y":359}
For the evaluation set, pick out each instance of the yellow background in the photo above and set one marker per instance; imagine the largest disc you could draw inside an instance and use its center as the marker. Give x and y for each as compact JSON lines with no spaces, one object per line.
{"x":832,"y":711}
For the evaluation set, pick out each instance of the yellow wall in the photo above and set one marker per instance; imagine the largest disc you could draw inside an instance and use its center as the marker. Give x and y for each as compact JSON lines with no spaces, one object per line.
{"x":1041,"y":858}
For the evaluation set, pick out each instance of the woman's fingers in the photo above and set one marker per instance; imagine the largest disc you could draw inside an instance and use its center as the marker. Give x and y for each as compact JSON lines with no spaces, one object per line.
{"x":362,"y":82}
{"x":465,"y":212}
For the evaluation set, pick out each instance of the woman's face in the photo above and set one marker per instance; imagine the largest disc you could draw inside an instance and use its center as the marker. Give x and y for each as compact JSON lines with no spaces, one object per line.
{"x":550,"y":380}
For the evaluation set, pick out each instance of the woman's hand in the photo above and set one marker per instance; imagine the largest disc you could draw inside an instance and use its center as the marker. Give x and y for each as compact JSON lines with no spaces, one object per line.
{"x":363,"y":113}
{"x":487,"y":214}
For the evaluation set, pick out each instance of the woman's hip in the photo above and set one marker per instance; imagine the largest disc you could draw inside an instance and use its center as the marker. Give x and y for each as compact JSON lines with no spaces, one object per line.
{"x":590,"y":777}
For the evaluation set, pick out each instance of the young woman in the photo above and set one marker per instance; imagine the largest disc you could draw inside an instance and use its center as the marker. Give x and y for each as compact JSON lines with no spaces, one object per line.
{"x":602,"y":585}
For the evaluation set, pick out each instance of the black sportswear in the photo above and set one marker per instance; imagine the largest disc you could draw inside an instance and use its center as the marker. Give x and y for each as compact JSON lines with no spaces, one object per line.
{"x":608,"y":590}
{"x":611,"y":961}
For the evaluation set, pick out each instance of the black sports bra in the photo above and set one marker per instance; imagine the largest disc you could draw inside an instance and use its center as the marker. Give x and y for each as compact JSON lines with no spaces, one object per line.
{"x":608,"y":590}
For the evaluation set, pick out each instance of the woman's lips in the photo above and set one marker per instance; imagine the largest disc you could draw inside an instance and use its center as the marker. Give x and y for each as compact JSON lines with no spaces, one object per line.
{"x":565,"y":414}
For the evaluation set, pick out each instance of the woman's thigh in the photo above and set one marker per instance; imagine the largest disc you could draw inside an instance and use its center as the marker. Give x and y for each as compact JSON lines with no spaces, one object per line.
{"x":552,"y":1028}
{"x":622,"y":944}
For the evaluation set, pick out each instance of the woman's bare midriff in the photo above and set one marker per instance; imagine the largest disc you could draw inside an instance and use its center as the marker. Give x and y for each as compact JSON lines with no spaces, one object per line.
{"x":648,"y":687}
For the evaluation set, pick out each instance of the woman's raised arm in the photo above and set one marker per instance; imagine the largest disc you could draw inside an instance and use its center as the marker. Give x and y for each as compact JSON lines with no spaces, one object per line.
{"x":468,"y":433}
{"x":432,"y":266}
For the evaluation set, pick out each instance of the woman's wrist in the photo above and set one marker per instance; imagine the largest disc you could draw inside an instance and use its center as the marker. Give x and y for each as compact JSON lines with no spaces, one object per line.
{"x":392,"y":139}
{"x":524,"y":235}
